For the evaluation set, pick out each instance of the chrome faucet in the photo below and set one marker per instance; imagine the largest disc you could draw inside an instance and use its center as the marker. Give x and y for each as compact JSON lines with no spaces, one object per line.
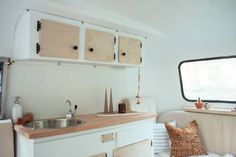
{"x":70,"y":113}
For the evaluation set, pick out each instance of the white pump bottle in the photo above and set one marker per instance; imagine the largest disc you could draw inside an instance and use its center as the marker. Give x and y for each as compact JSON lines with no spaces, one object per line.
{"x":16,"y":110}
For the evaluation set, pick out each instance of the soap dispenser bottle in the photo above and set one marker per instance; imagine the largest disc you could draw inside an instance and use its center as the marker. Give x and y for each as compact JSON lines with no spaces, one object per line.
{"x":16,"y":110}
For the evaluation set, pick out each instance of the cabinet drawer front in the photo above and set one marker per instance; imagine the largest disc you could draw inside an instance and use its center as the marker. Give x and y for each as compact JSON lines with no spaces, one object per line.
{"x":78,"y":146}
{"x":99,"y":46}
{"x":99,"y":155}
{"x":140,"y":149}
{"x":59,"y":40}
{"x":129,"y":50}
{"x":133,"y":135}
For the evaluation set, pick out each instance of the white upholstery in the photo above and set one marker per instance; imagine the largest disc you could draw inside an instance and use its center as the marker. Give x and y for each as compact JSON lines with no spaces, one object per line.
{"x":161,"y":139}
{"x":218,"y":132}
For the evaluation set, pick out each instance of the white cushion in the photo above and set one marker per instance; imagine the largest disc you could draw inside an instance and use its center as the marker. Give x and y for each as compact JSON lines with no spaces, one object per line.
{"x":161,"y":139}
{"x":217,"y":131}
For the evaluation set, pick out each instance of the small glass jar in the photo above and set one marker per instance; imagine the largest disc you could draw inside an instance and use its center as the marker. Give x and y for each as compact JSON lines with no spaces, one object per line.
{"x":122,"y":108}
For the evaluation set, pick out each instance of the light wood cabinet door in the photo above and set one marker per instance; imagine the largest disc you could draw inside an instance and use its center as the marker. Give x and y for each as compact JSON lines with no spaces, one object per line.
{"x":140,"y":149}
{"x":99,"y":46}
{"x":99,"y":155}
{"x":58,"y":40}
{"x":129,"y":50}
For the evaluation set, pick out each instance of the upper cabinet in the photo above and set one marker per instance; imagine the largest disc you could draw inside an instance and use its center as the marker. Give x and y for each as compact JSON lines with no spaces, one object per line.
{"x":129,"y":50}
{"x":58,"y":40}
{"x":48,"y":37}
{"x":99,"y":46}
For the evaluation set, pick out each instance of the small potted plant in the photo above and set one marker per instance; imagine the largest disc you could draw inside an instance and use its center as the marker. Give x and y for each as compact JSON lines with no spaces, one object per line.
{"x":199,"y":104}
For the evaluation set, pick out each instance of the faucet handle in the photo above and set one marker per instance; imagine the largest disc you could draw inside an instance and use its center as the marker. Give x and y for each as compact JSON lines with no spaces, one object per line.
{"x":76,"y":106}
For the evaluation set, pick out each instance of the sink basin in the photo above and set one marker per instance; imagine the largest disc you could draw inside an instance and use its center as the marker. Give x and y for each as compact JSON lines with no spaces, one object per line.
{"x":53,"y":123}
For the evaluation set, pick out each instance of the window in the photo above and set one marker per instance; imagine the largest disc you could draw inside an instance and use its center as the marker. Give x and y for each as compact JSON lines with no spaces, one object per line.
{"x":211,"y":79}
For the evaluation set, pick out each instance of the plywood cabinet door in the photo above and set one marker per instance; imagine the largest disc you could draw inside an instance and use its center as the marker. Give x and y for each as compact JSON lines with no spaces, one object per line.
{"x":129,"y":50}
{"x":99,"y":46}
{"x":58,"y":40}
{"x":140,"y":149}
{"x":99,"y":155}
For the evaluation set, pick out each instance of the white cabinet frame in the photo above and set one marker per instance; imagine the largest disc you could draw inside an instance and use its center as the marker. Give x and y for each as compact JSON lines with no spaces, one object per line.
{"x":27,"y":36}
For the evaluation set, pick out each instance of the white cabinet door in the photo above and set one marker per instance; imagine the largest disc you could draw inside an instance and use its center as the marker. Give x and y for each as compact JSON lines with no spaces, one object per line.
{"x":76,"y":146}
{"x":127,"y":136}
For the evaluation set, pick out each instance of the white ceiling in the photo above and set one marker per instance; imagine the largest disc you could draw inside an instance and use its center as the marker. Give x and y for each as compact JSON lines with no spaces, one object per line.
{"x":148,"y":12}
{"x":162,"y":15}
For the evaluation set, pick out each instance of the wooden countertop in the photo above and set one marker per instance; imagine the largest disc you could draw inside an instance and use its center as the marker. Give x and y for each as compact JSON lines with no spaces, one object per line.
{"x":92,"y":121}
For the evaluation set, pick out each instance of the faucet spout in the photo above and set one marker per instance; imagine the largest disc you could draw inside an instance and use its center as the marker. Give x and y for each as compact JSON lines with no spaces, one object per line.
{"x":70,"y":113}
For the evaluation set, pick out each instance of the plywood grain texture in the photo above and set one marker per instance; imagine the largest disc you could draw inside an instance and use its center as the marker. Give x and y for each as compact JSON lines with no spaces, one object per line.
{"x":99,"y":46}
{"x":129,"y":50}
{"x":140,"y":149}
{"x":58,"y":40}
{"x":99,"y":155}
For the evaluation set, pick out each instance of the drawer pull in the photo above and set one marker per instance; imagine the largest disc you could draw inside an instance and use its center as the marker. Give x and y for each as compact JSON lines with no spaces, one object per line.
{"x":75,"y":47}
{"x":107,"y":137}
{"x":91,"y":49}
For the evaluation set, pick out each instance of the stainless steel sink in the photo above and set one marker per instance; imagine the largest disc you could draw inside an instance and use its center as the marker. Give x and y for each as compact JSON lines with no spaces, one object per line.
{"x":53,"y":123}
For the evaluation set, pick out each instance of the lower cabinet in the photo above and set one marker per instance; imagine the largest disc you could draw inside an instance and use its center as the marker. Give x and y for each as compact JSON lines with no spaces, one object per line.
{"x":140,"y":149}
{"x":129,"y":140}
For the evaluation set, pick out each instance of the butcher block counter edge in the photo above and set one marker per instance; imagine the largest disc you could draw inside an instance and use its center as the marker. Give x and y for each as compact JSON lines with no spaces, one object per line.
{"x":92,"y":122}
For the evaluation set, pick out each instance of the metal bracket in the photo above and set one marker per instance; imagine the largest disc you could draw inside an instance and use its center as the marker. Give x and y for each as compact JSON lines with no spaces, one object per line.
{"x":37,"y":48}
{"x":38,"y":26}
{"x":10,"y":61}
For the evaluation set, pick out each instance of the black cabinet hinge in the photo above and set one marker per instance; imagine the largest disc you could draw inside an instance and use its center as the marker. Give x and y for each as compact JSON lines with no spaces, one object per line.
{"x":141,"y":45}
{"x":37,"y":48}
{"x":141,"y":59}
{"x":114,"y":56}
{"x":114,"y":40}
{"x":106,"y":154}
{"x":151,"y":143}
{"x":38,"y":26}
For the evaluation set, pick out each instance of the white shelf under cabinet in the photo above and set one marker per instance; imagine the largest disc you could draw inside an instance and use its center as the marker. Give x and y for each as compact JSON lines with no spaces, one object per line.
{"x":79,"y":62}
{"x":220,"y":111}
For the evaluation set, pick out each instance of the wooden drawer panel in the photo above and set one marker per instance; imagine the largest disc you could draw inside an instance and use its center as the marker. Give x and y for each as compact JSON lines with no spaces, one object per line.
{"x":58,"y":40}
{"x":140,"y":149}
{"x":99,"y":46}
{"x":99,"y":155}
{"x":129,"y":50}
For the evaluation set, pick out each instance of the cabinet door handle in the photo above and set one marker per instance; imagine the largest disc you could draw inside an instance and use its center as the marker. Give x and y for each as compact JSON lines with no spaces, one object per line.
{"x":123,"y":54}
{"x":107,"y":137}
{"x":75,"y":47}
{"x":91,"y":49}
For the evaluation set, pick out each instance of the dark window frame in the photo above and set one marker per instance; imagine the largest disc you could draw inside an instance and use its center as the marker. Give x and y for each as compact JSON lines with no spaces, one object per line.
{"x":199,"y":60}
